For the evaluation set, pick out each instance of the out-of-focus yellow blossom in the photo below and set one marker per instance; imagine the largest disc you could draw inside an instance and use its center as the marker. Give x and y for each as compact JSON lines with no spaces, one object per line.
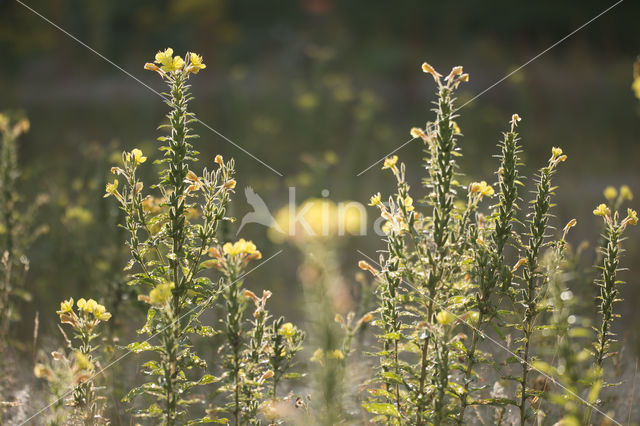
{"x":625,"y":193}
{"x":318,"y":356}
{"x":610,"y":193}
{"x":602,"y":210}
{"x":241,"y":246}
{"x":66,"y":306}
{"x":482,"y":188}
{"x":196,"y":63}
{"x":445,"y":317}
{"x":375,"y":199}
{"x":336,"y":354}
{"x":390,"y":162}
{"x":41,"y":371}
{"x":318,"y":218}
{"x":111,"y":188}
{"x":408,"y":204}
{"x":161,"y":294}
{"x":83,"y":362}
{"x":287,"y":330}
{"x":636,"y":86}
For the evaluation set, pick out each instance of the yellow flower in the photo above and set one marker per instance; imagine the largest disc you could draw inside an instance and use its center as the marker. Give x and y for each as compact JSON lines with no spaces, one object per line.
{"x":632,"y":217}
{"x":375,"y":199}
{"x":287,"y":330}
{"x":83,"y":362}
{"x":196,"y":63}
{"x":602,"y":210}
{"x":337,"y":354}
{"x":636,"y":86}
{"x":625,"y":193}
{"x":91,"y":306}
{"x":445,"y":317}
{"x":456,"y":71}
{"x":161,"y":294}
{"x":417,"y":132}
{"x":610,"y":193}
{"x":556,"y":152}
{"x":218,"y":160}
{"x":318,"y":356}
{"x":168,"y":61}
{"x":164,"y":57}
{"x":100,"y":312}
{"x":408,"y":203}
{"x":390,"y":162}
{"x":482,"y":188}
{"x":42,"y":371}
{"x":66,"y":306}
{"x":82,"y":304}
{"x":111,"y":188}
{"x":138,"y":158}
{"x":240,"y":247}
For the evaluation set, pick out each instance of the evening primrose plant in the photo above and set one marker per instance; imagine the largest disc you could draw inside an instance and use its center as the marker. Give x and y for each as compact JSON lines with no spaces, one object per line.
{"x":173,"y":239}
{"x":79,"y":363}
{"x":468,"y":288}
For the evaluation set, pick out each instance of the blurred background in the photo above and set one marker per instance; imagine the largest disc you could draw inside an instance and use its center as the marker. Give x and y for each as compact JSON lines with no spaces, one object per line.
{"x":318,"y":90}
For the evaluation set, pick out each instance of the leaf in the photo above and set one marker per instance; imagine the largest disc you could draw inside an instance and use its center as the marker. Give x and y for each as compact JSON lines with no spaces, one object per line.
{"x":381,"y":408}
{"x":138,"y":347}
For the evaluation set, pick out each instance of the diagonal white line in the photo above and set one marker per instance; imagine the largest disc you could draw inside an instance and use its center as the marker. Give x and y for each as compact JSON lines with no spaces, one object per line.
{"x":144,"y":84}
{"x":509,"y":75}
{"x":395,"y":150}
{"x":117,"y":360}
{"x":497,"y":343}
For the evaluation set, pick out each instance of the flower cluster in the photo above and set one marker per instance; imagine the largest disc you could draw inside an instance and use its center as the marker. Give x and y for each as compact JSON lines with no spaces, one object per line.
{"x":168,"y":64}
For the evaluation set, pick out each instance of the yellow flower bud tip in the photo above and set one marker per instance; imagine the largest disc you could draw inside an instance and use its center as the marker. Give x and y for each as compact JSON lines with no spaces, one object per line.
{"x":610,"y":193}
{"x":445,"y":318}
{"x":364,"y":265}
{"x":632,"y":217}
{"x":390,"y":162}
{"x":514,"y":120}
{"x":455,"y":71}
{"x":218,"y":160}
{"x":366,"y":318}
{"x":375,"y":199}
{"x":151,"y":67}
{"x":251,"y":295}
{"x":571,"y":224}
{"x":602,"y":210}
{"x":625,"y":193}
{"x":417,"y":132}
{"x":556,"y":152}
{"x":456,"y":128}
{"x":230,"y":184}
{"x":520,"y":262}
{"x":430,"y":70}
